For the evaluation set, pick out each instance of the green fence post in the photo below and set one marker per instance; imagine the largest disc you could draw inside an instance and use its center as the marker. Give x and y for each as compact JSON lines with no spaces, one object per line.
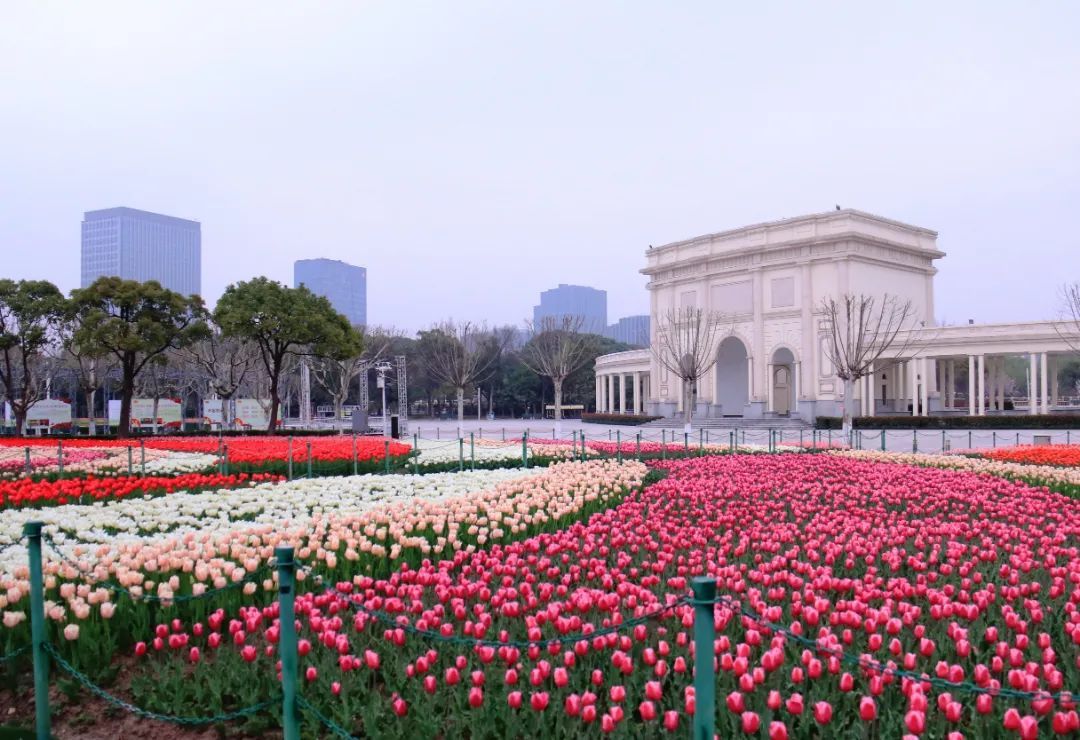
{"x":287,"y":639}
{"x":1067,"y":436}
{"x":800,"y":438}
{"x":942,"y":440}
{"x":1018,"y":439}
{"x":618,"y":445}
{"x":142,"y":458}
{"x":460,"y":454}
{"x":969,"y":439}
{"x":882,"y":440}
{"x":701,"y":441}
{"x":386,"y":456}
{"x":663,"y":443}
{"x":686,"y":444}
{"x":504,"y":434}
{"x":995,"y":440}
{"x":290,"y":457}
{"x":32,"y":532}
{"x":472,"y":452}
{"x":224,"y":459}
{"x":731,"y":441}
{"x":309,"y":459}
{"x":573,"y":444}
{"x":60,"y":457}
{"x":354,"y":462}
{"x":28,"y":461}
{"x":704,"y":722}
{"x":525,"y":449}
{"x":608,"y":435}
{"x":129,"y":460}
{"x":637,"y":447}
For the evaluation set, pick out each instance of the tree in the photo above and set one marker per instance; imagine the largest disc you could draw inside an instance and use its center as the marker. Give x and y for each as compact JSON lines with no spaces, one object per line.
{"x":29,"y":311}
{"x":861,"y":329}
{"x":222,"y":365}
{"x":89,"y":367}
{"x":136,"y":323}
{"x":1070,"y":299}
{"x":686,"y":344}
{"x":283,"y":323}
{"x":459,"y":355}
{"x":555,"y":349}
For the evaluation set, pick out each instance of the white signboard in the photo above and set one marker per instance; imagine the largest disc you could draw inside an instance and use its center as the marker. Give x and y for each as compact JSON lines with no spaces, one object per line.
{"x":250,"y":412}
{"x":142,"y":412}
{"x":47,"y":413}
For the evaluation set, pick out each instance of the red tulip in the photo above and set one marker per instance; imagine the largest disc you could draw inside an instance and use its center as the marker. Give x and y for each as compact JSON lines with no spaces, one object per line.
{"x":476,"y":697}
{"x":867,"y":709}
{"x":647,"y":710}
{"x":750,"y":722}
{"x":735,"y":703}
{"x":822,"y":712}
{"x":538,"y":700}
{"x":653,"y":691}
{"x":311,"y":674}
{"x":778,"y":731}
{"x":794,"y":704}
{"x":514,"y":699}
{"x":249,"y":653}
{"x":140,"y":649}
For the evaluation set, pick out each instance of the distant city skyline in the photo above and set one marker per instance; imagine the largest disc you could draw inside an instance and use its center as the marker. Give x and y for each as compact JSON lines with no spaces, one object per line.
{"x":141,"y":245}
{"x":344,"y":285}
{"x":583,"y":301}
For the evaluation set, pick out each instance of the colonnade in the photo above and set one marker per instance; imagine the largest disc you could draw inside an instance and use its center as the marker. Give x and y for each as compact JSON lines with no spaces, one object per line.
{"x":612,"y":396}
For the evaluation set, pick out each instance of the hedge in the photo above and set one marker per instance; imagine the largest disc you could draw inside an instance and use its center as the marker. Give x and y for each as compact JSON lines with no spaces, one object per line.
{"x":170,"y":435}
{"x":998,"y":421}
{"x":624,"y":419}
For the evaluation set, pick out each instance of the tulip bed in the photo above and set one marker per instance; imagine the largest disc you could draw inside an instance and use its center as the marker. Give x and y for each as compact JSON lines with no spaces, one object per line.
{"x":955,"y":575}
{"x":1063,"y":455}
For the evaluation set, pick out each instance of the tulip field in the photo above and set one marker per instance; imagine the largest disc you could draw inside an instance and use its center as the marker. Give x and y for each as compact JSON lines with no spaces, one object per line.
{"x":858,"y":593}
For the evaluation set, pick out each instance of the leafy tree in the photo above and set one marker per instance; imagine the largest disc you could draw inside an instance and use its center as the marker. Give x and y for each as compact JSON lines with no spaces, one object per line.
{"x":284,"y":323}
{"x":29,"y":310}
{"x":136,"y":323}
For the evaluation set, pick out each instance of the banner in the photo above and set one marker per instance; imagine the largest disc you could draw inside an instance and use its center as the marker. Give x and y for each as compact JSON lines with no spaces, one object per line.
{"x":142,"y":412}
{"x":246,"y":411}
{"x":47,"y":413}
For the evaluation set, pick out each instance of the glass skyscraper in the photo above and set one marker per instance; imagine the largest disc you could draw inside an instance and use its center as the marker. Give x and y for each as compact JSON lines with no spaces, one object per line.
{"x":344,"y":285}
{"x":574,"y":300}
{"x":138,"y":245}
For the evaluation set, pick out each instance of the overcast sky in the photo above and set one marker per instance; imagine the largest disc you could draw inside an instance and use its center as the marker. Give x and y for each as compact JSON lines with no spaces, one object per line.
{"x":473,"y":154}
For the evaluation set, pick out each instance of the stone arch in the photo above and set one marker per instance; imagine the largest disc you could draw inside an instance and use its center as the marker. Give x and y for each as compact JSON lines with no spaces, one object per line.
{"x":732,"y":376}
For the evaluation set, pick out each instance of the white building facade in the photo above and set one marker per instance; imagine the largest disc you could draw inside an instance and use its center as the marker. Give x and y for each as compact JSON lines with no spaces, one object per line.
{"x":767,"y":283}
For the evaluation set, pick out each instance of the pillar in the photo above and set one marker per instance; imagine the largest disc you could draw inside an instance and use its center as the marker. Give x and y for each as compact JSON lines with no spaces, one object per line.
{"x":980,"y":391}
{"x":1042,"y":385}
{"x":798,"y":384}
{"x":750,"y":378}
{"x":913,"y":377}
{"x":609,"y":393}
{"x":622,"y":393}
{"x":1033,"y":383}
{"x":769,"y":386}
{"x":971,"y":385}
{"x":1001,"y":378}
{"x":1053,"y":383}
{"x":871,"y":394}
{"x":927,"y":373}
{"x":597,"y":395}
{"x":637,"y":393}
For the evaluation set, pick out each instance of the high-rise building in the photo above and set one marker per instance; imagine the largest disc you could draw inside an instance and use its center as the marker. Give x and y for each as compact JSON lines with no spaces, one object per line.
{"x":344,"y":285}
{"x":138,"y":245}
{"x":574,"y":300}
{"x":631,"y":330}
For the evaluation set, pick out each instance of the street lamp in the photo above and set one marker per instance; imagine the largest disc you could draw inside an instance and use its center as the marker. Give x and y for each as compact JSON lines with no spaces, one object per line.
{"x":382,"y":367}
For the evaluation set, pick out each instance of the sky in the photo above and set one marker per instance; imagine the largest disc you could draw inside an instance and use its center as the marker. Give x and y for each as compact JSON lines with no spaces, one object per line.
{"x":473,"y":154}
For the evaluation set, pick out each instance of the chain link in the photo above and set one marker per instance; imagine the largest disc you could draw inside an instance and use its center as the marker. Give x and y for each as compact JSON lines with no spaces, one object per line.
{"x":8,"y":657}
{"x":255,"y":576}
{"x":116,"y":701}
{"x":330,"y":724}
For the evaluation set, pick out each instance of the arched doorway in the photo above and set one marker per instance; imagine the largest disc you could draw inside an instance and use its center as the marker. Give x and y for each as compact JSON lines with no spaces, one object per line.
{"x":783,"y":381}
{"x":732,"y":377}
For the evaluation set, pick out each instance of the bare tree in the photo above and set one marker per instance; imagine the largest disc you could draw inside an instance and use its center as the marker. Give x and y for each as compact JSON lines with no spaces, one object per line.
{"x":221,"y":366}
{"x":459,"y":354}
{"x":556,"y":348}
{"x":1069,"y":328}
{"x":686,"y":344}
{"x":862,"y":329}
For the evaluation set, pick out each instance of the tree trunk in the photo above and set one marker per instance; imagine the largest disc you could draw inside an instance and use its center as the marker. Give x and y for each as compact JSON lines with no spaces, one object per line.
{"x":155,"y":411}
{"x":275,"y":402}
{"x":461,"y":410}
{"x":849,"y":405}
{"x":20,"y":419}
{"x":688,"y":404}
{"x":127,"y":390}
{"x":90,"y":394}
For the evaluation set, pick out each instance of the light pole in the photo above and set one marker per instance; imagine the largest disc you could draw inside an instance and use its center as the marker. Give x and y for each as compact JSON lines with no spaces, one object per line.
{"x":382,"y":367}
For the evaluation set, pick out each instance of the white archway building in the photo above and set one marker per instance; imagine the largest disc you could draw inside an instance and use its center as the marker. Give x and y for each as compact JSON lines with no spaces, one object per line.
{"x":768,"y":281}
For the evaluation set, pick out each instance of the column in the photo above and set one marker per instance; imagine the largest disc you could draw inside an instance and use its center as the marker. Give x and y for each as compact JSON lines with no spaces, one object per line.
{"x":913,"y":371}
{"x":1033,"y":383}
{"x":952,"y":383}
{"x":637,"y":393}
{"x":927,"y":372}
{"x":1054,"y":383}
{"x":798,"y":384}
{"x":1043,"y":373}
{"x":597,"y":394}
{"x":871,"y":393}
{"x":1001,"y":378}
{"x":980,"y":390}
{"x":609,"y":393}
{"x":769,"y":386}
{"x":622,"y":393}
{"x":971,"y":385}
{"x":750,"y":378}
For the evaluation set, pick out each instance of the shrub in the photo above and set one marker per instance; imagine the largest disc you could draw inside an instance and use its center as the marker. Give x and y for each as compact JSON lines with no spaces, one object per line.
{"x":626,"y":419}
{"x":999,"y":421}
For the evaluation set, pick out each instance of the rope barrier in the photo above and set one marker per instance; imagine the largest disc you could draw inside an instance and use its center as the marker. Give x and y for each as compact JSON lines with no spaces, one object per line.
{"x":330,"y":724}
{"x":116,"y":701}
{"x":8,"y":657}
